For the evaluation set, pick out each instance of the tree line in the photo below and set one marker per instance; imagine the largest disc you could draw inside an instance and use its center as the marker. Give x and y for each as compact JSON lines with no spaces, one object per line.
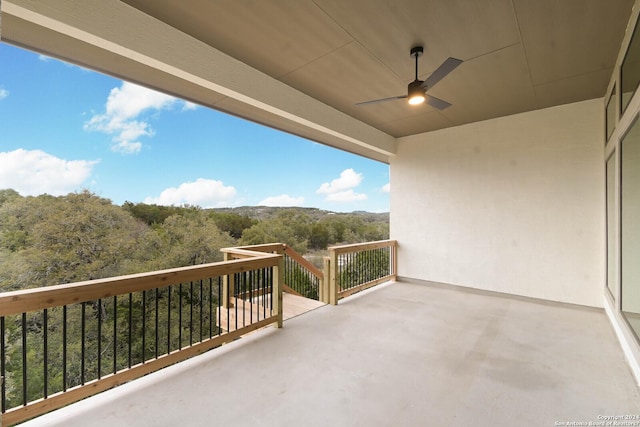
{"x":47,"y":240}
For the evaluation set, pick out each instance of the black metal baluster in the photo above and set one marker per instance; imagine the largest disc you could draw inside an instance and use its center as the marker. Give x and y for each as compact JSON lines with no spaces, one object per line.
{"x":169,"y":319}
{"x":191,"y":313}
{"x":180,"y":317}
{"x":64,"y":348}
{"x":251,"y":297}
{"x":288,"y":274}
{"x":259,"y":292}
{"x":374,"y":272}
{"x":99,"y":338}
{"x":115,"y":333}
{"x":344,"y":271}
{"x":210,"y":307}
{"x":45,"y":351}
{"x":361,"y":263}
{"x":157,"y":321}
{"x":375,"y":263}
{"x":200,"y":305}
{"x":357,"y":259}
{"x":130,"y":334}
{"x":83,"y":327}
{"x":24,"y":359}
{"x":235,"y":295}
{"x":357,"y":266}
{"x":3,"y":357}
{"x":244,"y":298}
{"x":220,"y":308}
{"x":366,"y":272}
{"x":144,"y":325}
{"x":269,"y":291}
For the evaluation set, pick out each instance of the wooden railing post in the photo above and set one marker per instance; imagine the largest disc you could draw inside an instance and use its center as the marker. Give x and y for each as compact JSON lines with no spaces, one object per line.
{"x":323,"y":292}
{"x":278,"y":281}
{"x":228,"y":285}
{"x":333,"y":278}
{"x":394,"y":261}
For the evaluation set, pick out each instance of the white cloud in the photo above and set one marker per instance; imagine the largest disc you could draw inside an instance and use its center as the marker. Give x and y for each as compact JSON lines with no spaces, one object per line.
{"x":348,"y":179}
{"x":188,"y":106}
{"x":345,"y":196}
{"x":3,"y":94}
{"x":121,"y":117}
{"x":341,"y":189}
{"x":34,"y":172}
{"x":386,"y":188}
{"x":45,"y":58}
{"x":206,"y":193}
{"x":282,"y":200}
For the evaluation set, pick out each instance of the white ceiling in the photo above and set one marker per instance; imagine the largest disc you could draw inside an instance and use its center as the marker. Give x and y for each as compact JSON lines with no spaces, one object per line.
{"x":519,"y":55}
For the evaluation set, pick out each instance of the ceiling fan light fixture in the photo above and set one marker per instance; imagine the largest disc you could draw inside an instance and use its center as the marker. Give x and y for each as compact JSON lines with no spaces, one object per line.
{"x":417,"y":90}
{"x":416,"y":93}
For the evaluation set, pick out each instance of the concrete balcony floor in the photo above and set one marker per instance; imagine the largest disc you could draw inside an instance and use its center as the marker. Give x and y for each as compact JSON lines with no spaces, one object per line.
{"x":402,"y":354}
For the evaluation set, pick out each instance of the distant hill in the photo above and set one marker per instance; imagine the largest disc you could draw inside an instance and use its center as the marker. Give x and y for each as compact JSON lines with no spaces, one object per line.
{"x":268,"y":212}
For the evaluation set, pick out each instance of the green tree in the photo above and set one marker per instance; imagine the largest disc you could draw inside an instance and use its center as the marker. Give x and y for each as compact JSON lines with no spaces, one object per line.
{"x":52,"y":240}
{"x":289,"y":226}
{"x":8,"y":194}
{"x":152,"y":214}
{"x":186,"y":240}
{"x":232,"y":223}
{"x":320,"y":236}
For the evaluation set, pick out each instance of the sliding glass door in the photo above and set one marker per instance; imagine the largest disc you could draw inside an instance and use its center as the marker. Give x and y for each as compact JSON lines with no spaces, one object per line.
{"x":630,"y":225}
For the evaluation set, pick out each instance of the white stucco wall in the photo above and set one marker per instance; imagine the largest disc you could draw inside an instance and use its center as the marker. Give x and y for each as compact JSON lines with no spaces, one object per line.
{"x":513,"y":205}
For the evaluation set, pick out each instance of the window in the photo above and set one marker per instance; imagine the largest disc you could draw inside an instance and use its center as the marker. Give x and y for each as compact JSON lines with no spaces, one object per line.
{"x":630,"y":225}
{"x":610,"y":115}
{"x":611,"y":225}
{"x":630,"y":70}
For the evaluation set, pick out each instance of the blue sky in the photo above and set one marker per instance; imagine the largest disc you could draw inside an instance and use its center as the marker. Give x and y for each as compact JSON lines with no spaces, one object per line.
{"x":65,"y":128}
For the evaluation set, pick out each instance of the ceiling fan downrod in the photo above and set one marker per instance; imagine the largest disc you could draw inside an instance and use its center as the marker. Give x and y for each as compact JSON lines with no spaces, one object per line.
{"x":417,"y":52}
{"x":415,"y":91}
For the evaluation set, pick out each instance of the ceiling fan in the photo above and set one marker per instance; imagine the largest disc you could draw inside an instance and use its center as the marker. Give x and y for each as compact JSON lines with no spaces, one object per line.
{"x":416,"y":92}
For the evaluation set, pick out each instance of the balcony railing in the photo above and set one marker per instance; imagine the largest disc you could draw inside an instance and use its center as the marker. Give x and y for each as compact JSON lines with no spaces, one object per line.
{"x":353,"y":268}
{"x":60,"y":344}
{"x":347,"y":269}
{"x":300,"y":277}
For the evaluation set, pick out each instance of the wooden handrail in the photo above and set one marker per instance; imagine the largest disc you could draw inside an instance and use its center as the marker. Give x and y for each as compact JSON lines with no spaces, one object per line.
{"x":357,"y":247}
{"x":22,"y":301}
{"x":277,"y":248}
{"x":303,"y":262}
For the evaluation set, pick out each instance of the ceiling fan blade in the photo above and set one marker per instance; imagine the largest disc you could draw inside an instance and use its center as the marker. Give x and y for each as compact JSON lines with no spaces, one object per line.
{"x":437,"y":102}
{"x":375,"y":101}
{"x":445,"y":68}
